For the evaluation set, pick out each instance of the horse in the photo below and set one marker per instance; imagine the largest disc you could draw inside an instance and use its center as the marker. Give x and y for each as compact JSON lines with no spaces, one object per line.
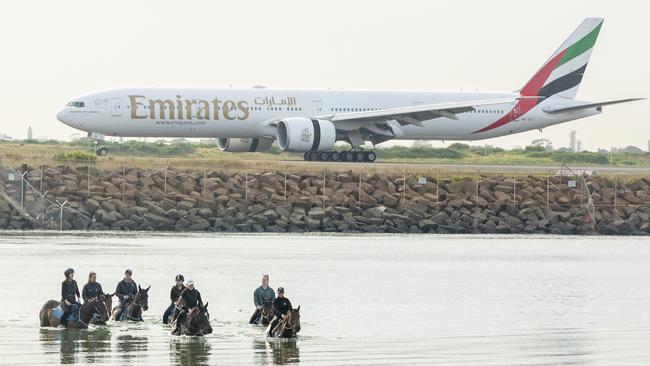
{"x":103,"y":308}
{"x":266,"y":313}
{"x":50,"y":311}
{"x":135,"y":308}
{"x":289,"y":326}
{"x":195,"y":323}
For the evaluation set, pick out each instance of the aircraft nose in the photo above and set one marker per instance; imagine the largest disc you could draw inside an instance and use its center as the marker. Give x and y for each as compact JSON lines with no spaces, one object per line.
{"x":61,"y":116}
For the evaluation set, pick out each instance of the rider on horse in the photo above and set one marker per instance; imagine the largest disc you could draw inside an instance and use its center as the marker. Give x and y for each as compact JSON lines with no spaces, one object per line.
{"x":69,"y":295}
{"x":261,"y":295}
{"x":92,"y":289}
{"x":190,"y":299}
{"x":174,"y":295}
{"x":125,"y":291}
{"x":281,"y":306}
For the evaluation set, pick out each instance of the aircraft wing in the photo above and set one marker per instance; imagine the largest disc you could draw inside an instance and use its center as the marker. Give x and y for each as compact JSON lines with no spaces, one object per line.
{"x":589,"y":105}
{"x":413,"y":115}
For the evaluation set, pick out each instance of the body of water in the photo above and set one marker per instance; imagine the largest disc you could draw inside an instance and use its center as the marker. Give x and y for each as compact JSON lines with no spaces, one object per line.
{"x":369,"y":299}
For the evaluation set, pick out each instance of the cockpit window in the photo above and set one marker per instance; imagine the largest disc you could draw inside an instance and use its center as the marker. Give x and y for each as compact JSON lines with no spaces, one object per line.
{"x":76,"y":104}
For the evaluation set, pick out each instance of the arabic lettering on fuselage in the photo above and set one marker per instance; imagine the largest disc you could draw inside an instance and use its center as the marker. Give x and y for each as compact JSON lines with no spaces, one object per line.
{"x":288,"y":101}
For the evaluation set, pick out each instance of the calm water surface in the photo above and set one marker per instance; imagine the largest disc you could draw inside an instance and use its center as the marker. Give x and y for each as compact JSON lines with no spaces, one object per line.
{"x":364,"y":299}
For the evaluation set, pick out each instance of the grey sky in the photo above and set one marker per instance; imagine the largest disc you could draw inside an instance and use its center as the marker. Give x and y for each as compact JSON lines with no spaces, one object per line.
{"x":53,"y":51}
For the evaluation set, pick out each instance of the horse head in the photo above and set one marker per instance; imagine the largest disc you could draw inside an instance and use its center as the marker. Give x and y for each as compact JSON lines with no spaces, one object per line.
{"x":103,"y":308}
{"x":89,"y":309}
{"x":142,"y":298}
{"x":294,"y":319}
{"x":267,"y":310}
{"x":199,"y":320}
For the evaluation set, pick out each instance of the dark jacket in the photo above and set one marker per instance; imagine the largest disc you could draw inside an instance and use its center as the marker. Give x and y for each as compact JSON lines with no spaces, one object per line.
{"x":91,"y":290}
{"x":176,"y":293}
{"x":281,"y":306}
{"x":191,"y":298}
{"x":124,"y":289}
{"x":69,"y":291}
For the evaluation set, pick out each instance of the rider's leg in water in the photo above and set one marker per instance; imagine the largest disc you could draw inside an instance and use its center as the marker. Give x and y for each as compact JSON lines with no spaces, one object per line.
{"x":123,"y":307}
{"x":274,"y":323}
{"x":67,"y":310}
{"x":167,"y":316}
{"x":179,"y":320}
{"x":256,"y":317}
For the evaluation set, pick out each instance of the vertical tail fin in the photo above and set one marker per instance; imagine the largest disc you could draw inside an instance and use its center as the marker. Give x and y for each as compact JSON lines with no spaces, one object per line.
{"x":562,"y":73}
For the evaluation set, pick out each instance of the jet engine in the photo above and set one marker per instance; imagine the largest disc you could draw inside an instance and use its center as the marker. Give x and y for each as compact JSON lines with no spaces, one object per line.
{"x":244,"y":145}
{"x":304,"y":134}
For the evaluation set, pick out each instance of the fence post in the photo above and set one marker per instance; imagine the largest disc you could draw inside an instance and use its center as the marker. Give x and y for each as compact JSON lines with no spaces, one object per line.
{"x":437,"y":193}
{"x":22,"y":188}
{"x":165,"y":187}
{"x":41,"y":187}
{"x":324,"y":189}
{"x":547,"y":188}
{"x":246,"y":186}
{"x":61,"y":214}
{"x":514,"y":191}
{"x":285,"y":188}
{"x":205,"y":177}
{"x":477,"y":182}
{"x":359,"y":190}
{"x":88,"y":177}
{"x":615,"y":189}
{"x":123,"y":179}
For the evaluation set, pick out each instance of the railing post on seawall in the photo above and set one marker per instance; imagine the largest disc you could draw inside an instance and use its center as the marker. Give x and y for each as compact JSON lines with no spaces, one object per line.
{"x":61,"y":213}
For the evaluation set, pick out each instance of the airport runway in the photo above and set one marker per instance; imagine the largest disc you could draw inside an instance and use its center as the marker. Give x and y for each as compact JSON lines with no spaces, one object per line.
{"x":389,"y":167}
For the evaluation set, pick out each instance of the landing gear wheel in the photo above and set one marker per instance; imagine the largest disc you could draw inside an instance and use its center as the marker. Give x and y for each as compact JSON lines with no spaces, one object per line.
{"x":101,"y":151}
{"x":334,"y":156}
{"x":359,"y":156}
{"x":323,"y":156}
{"x":347,"y":156}
{"x":313,"y":156}
{"x":306,"y":156}
{"x":369,"y":156}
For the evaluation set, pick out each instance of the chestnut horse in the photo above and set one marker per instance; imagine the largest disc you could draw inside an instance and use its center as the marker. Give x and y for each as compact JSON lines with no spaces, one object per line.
{"x":86,"y":313}
{"x":289,"y":326}
{"x":195,"y":323}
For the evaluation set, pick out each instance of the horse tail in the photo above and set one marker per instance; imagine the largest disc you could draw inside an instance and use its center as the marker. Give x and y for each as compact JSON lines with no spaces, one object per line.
{"x":44,"y":314}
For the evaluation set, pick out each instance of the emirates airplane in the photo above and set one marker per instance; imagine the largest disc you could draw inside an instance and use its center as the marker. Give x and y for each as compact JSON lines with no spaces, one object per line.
{"x":311,"y":121}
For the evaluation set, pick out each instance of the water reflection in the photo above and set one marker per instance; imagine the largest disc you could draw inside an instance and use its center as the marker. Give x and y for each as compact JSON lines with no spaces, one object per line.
{"x":130,"y":346}
{"x":283,"y":351}
{"x":93,"y":344}
{"x":189,"y":351}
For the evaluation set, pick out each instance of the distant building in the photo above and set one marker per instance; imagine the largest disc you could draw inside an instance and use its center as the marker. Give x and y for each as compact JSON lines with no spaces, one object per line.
{"x":572,"y":140}
{"x":578,"y":146}
{"x":30,"y":136}
{"x":5,"y":137}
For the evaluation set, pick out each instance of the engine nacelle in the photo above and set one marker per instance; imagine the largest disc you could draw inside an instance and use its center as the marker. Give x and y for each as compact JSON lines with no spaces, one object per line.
{"x":244,"y":145}
{"x":304,"y":134}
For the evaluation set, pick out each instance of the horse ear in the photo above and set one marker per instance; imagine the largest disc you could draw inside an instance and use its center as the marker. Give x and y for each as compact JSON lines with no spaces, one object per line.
{"x":139,"y":288}
{"x":206,"y":305}
{"x":148,"y":288}
{"x":298,"y":308}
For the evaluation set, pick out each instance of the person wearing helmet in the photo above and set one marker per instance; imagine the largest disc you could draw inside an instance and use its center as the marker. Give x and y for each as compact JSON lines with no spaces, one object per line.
{"x":262,"y":294}
{"x":281,"y":306}
{"x":174,"y":295}
{"x":69,"y":295}
{"x":125,"y":291}
{"x":190,"y":299}
{"x":92,"y":289}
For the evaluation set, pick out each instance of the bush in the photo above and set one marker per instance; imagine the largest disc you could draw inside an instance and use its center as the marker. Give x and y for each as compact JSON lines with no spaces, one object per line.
{"x":74,"y":155}
{"x":418,"y":152}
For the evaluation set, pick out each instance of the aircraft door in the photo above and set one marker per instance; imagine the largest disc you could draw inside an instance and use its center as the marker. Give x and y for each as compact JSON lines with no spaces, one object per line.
{"x":116,"y":107}
{"x":317,"y":107}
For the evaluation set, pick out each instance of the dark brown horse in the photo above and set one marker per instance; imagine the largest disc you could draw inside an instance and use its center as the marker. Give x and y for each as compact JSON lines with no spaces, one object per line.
{"x":195,"y":323}
{"x":266,"y":313}
{"x":135,"y":308}
{"x":289,"y":326}
{"x":103,"y":309}
{"x":86,"y":313}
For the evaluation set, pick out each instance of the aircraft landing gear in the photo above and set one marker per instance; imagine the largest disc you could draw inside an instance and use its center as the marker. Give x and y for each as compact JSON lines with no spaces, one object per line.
{"x":343,"y":156}
{"x":101,"y":151}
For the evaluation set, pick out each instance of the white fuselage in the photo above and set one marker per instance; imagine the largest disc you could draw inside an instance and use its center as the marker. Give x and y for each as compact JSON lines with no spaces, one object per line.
{"x":251,"y":112}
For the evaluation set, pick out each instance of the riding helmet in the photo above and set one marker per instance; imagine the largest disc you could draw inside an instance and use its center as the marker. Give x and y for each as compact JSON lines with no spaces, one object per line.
{"x":68,"y":271}
{"x":179,"y":277}
{"x":280,"y":289}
